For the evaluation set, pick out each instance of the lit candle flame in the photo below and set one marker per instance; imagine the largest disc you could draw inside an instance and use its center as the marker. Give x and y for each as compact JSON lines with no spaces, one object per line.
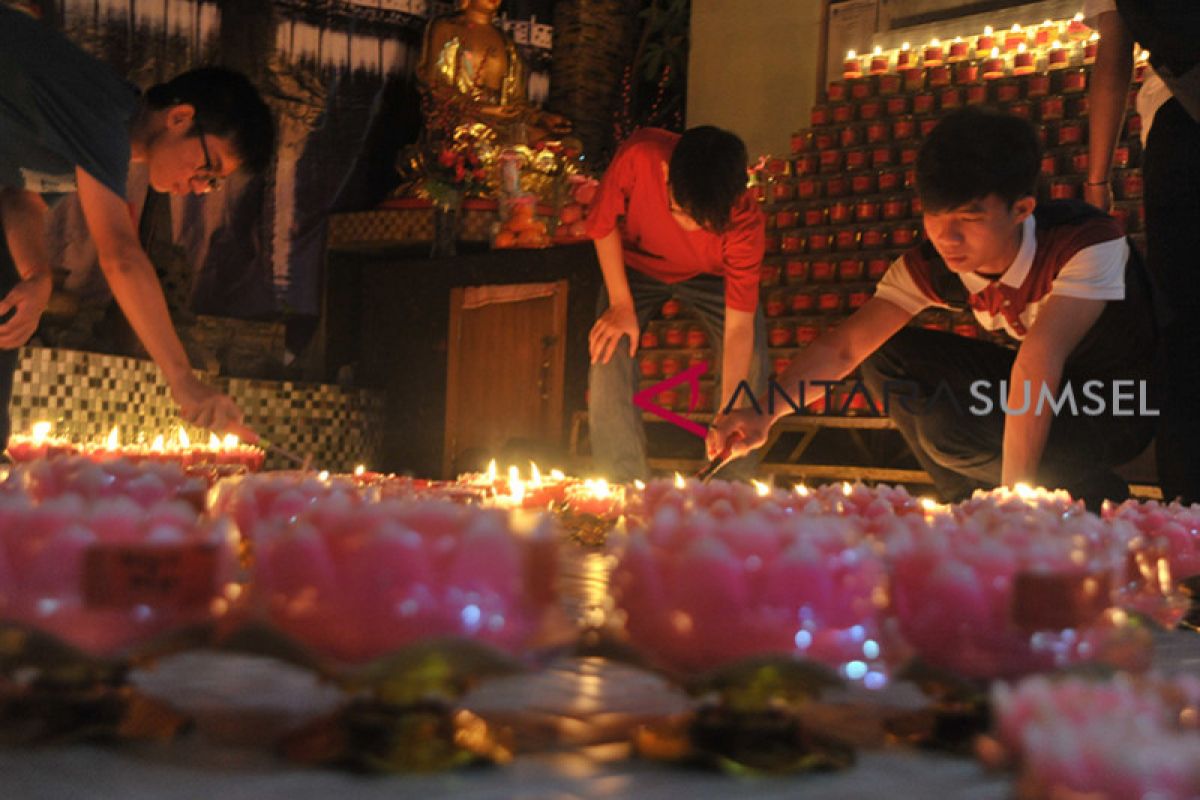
{"x":114,"y":439}
{"x":1047,"y":24}
{"x":639,"y":485}
{"x":230,"y":442}
{"x":1016,"y":28}
{"x":761,"y":488}
{"x":680,"y":483}
{"x":1078,"y":17}
{"x":214,"y":442}
{"x":1145,"y":56}
{"x":846,"y":488}
{"x":1021,"y":48}
{"x":850,"y":54}
{"x":936,"y":42}
{"x":491,"y":471}
{"x":958,"y":40}
{"x":930,"y":505}
{"x":41,"y":431}
{"x":1025,"y":491}
{"x":184,"y":440}
{"x":159,"y":445}
{"x":323,"y":475}
{"x":1056,"y":45}
{"x":516,"y":487}
{"x":906,"y":46}
{"x":359,"y":470}
{"x":878,"y":51}
{"x":995,"y":52}
{"x":987,"y":30}
{"x":535,"y":475}
{"x":558,"y":475}
{"x":801,"y":490}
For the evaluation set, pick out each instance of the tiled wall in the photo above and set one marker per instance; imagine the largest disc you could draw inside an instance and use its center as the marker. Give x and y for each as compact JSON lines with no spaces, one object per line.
{"x":86,"y":394}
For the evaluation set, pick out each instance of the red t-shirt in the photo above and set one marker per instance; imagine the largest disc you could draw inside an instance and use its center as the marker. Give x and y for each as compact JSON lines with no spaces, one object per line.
{"x":633,"y":195}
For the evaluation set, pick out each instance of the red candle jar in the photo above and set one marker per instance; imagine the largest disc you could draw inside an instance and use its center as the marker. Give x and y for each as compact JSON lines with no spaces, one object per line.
{"x":923,"y":103}
{"x":807,"y":333}
{"x":914,"y":79}
{"x":837,"y":186}
{"x":1046,"y":33}
{"x":927,"y":125}
{"x":671,"y":308}
{"x":856,"y":159}
{"x":897,"y":106}
{"x":904,"y":128}
{"x":905,"y":60}
{"x":780,"y":365}
{"x":774,"y":306}
{"x":910,"y":178}
{"x":866,"y":211}
{"x":829,"y":302}
{"x":807,"y":164}
{"x":782,"y":191}
{"x":1051,"y":108}
{"x":777,"y":166}
{"x":808,"y":188}
{"x":803,"y":301}
{"x":939,"y":76}
{"x":668,"y":399}
{"x":769,"y":276}
{"x":1064,"y":189}
{"x":890,"y":180}
{"x":870,"y":109}
{"x":872,"y":238}
{"x":825,"y":140}
{"x":958,"y":51}
{"x":771,"y":243}
{"x":877,"y":266}
{"x":792,"y":242}
{"x":877,"y":132}
{"x":814,"y":216}
{"x":802,"y":141}
{"x":850,"y":269}
{"x":908,"y":155}
{"x":846,"y":239}
{"x":649,"y":340}
{"x":951,"y":98}
{"x":889,"y":84}
{"x":904,"y":236}
{"x":1049,"y":165}
{"x":1120,"y":158}
{"x":966,"y":73}
{"x":1014,"y":38}
{"x":649,"y":367}
{"x":1057,"y":57}
{"x":856,"y":300}
{"x":1139,"y":71}
{"x":863,"y":183}
{"x":967,"y":329}
{"x":840,"y":212}
{"x":779,"y":335}
{"x":852,"y":66}
{"x":986,"y":41}
{"x":1074,"y":80}
{"x":1022,"y":109}
{"x":796,"y":270}
{"x":933,"y":53}
{"x":819,"y":241}
{"x":822,"y":270}
{"x":1133,"y":126}
{"x":1023,"y":61}
{"x":993,"y":67}
{"x":916,"y":205}
{"x":697,"y":338}
{"x":977,"y":94}
{"x":842,"y":113}
{"x":1090,"y":49}
{"x":882,"y":157}
{"x":1008,"y":91}
{"x":819,"y":116}
{"x":831,"y":161}
{"x":1070,"y":132}
{"x":1041,"y":132}
{"x":1079,"y":161}
{"x":860,"y":90}
{"x":674,"y":336}
{"x":835,"y":92}
{"x":1037,"y":85}
{"x":670,"y":366}
{"x":1129,"y":185}
{"x":879,"y":62}
{"x":895,"y":208}
{"x":787,"y":218}
{"x":850,"y":136}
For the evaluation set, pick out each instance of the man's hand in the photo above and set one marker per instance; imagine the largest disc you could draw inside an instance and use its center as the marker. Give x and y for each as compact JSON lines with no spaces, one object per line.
{"x":27,"y":301}
{"x":746,"y":428}
{"x":202,"y":405}
{"x":1099,"y":194}
{"x":606,"y":334}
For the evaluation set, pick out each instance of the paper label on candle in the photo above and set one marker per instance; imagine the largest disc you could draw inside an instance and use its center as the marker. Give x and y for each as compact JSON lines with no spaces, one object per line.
{"x":172,"y":577}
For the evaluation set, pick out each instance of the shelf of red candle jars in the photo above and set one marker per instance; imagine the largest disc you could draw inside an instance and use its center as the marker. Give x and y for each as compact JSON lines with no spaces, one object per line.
{"x":816,"y":270}
{"x":678,"y":398}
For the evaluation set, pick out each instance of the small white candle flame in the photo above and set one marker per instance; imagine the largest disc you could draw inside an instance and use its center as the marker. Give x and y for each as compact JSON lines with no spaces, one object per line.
{"x":230,"y":441}
{"x":1021,"y":48}
{"x":846,"y":488}
{"x":359,"y":470}
{"x":185,"y":441}
{"x":323,"y":475}
{"x":491,"y":471}
{"x":535,"y":475}
{"x":906,"y":46}
{"x":1078,"y":17}
{"x":214,"y":442}
{"x":159,"y":445}
{"x":1016,"y":28}
{"x":1056,"y":45}
{"x":41,"y":431}
{"x":850,"y":54}
{"x":802,"y":490}
{"x":987,"y":30}
{"x":761,"y":488}
{"x":558,"y":475}
{"x":936,"y":42}
{"x":680,"y":483}
{"x":995,"y":52}
{"x":639,"y":485}
{"x":878,"y":51}
{"x":114,"y":439}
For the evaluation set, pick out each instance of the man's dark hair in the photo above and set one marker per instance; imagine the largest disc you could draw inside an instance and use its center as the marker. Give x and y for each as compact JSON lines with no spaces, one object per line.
{"x":708,"y":174}
{"x":973,"y":153}
{"x":226,"y":104}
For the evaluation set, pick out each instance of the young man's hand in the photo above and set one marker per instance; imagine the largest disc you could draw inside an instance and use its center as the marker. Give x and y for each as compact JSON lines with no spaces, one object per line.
{"x":204,"y":406}
{"x":27,"y":301}
{"x":746,"y":429}
{"x":615,"y":322}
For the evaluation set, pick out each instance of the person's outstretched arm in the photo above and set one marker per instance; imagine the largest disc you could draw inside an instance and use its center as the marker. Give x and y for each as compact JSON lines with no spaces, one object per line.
{"x":23,"y":215}
{"x":1107,"y":98}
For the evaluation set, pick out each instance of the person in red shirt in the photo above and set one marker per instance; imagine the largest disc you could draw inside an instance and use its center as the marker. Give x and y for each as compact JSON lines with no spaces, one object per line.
{"x":672,"y":218}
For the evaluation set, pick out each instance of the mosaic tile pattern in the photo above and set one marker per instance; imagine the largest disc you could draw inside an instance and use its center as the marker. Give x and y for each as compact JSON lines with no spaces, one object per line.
{"x":86,"y":394}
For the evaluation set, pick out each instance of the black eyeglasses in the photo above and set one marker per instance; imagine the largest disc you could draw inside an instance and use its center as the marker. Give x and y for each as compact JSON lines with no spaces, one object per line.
{"x":204,"y":175}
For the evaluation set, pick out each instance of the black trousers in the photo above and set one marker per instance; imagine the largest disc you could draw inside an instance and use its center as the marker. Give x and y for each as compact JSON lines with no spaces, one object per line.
{"x":8,"y":358}
{"x":1172,"y":174}
{"x":962,"y":450}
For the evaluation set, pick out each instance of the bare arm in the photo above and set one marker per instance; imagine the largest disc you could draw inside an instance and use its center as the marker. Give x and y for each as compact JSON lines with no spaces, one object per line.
{"x":23,"y":215}
{"x":736,"y":352}
{"x":136,"y":289}
{"x":1107,"y":98}
{"x":620,"y":318}
{"x":832,"y":357}
{"x":1060,"y":326}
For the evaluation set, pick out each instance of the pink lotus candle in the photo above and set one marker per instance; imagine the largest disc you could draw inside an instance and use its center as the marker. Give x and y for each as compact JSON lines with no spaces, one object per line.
{"x":933,"y":53}
{"x":1014,"y":37}
{"x":958,"y":50}
{"x":1023,"y":62}
{"x":879,"y":61}
{"x":993,"y":66}
{"x":852,"y":67}
{"x":1057,"y":57}
{"x":985,"y":41}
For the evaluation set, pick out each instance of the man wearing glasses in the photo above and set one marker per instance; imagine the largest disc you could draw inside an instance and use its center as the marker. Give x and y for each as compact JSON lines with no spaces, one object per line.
{"x":672,"y":218}
{"x":68,"y":123}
